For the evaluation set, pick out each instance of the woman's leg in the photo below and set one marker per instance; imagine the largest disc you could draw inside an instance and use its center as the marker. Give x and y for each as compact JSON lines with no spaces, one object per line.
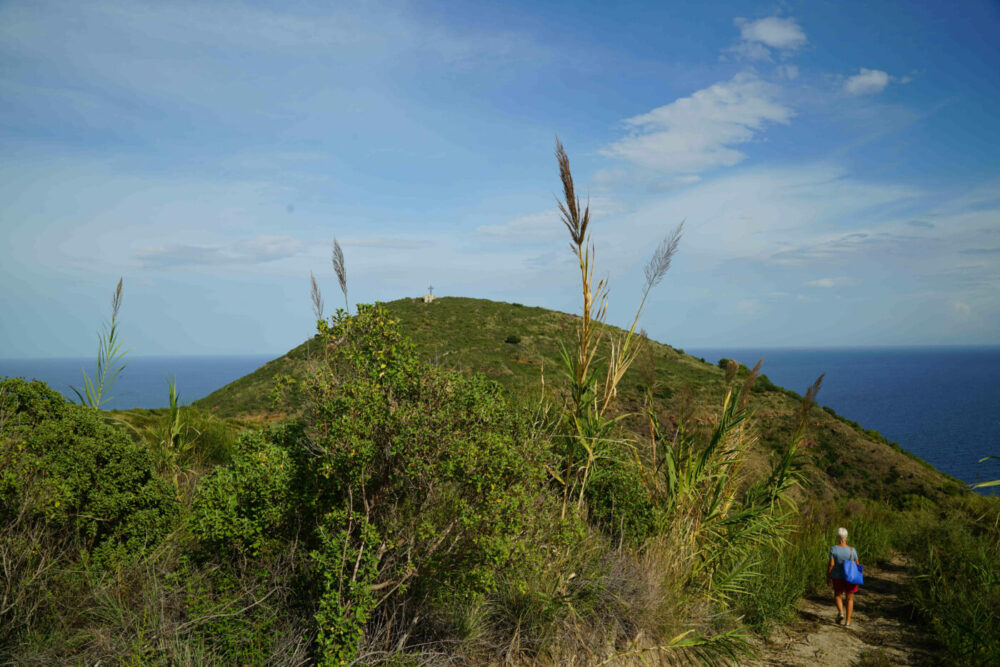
{"x":840,"y":604}
{"x":850,"y":606}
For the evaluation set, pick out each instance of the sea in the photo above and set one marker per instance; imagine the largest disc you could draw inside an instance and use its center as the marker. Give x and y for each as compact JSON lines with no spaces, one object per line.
{"x":145,"y":381}
{"x":941,"y":403}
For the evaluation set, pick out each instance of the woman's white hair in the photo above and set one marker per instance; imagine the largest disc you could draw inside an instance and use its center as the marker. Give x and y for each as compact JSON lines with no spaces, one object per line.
{"x":842,"y":534}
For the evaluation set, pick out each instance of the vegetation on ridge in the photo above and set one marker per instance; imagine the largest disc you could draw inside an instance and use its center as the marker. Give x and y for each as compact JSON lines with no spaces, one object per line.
{"x":391,"y":507}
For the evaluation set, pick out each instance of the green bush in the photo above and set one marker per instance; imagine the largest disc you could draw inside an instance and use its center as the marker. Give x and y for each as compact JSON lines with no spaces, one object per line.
{"x":512,"y":339}
{"x":408,"y":479}
{"x":78,"y":472}
{"x":242,"y":505}
{"x":764,"y":384}
{"x":620,"y":503}
{"x":956,"y":587}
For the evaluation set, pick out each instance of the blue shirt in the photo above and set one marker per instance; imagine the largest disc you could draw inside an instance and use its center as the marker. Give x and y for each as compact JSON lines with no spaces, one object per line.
{"x":839,"y":555}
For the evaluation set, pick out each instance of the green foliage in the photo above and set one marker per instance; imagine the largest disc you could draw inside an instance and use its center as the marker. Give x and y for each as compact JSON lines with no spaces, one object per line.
{"x":347,"y":565}
{"x":239,"y":507}
{"x":619,"y":501}
{"x":957,"y":587}
{"x":68,"y":466}
{"x":788,"y":569}
{"x":512,"y":339}
{"x":764,"y":384}
{"x":409,"y":485}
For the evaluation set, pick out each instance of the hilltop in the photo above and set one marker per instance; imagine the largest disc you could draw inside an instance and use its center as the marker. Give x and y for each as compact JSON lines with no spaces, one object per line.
{"x":427,"y":491}
{"x":518,"y":346}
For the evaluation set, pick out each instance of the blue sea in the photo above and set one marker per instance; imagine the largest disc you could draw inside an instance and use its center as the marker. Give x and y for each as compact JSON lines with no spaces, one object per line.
{"x":942,"y":404}
{"x":145,"y":381}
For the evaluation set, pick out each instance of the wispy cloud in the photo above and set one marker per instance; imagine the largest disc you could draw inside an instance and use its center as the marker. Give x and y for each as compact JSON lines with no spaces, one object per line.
{"x":696,"y":133}
{"x":249,"y":251}
{"x":841,"y":281}
{"x":386,"y":242}
{"x":547,"y":225}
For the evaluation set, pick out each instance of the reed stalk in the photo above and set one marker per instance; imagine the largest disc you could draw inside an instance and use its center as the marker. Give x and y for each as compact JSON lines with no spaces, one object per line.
{"x":594,"y":380}
{"x":110,"y":359}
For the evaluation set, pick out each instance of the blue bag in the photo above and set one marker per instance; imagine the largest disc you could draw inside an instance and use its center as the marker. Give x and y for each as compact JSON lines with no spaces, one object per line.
{"x":854,"y":571}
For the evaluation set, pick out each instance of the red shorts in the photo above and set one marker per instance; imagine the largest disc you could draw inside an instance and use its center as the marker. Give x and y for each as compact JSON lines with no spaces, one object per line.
{"x":840,"y":586}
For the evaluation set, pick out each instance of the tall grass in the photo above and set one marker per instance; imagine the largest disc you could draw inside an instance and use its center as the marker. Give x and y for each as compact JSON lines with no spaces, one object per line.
{"x":706,"y":523}
{"x":110,"y":359}
{"x":594,"y":380}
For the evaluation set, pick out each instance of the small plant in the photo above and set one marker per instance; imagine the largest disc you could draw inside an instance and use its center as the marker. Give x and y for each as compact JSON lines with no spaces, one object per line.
{"x":512,"y":339}
{"x":110,"y":359}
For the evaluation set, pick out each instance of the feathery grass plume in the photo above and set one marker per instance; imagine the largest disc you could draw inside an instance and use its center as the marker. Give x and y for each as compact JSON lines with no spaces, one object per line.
{"x":341,"y":270}
{"x":317,"y":297}
{"x":624,"y":349}
{"x":110,"y":359}
{"x":570,"y":208}
{"x":659,"y":263}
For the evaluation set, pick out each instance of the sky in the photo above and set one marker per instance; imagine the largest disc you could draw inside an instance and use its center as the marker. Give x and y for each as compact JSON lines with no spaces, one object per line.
{"x":836,"y":166}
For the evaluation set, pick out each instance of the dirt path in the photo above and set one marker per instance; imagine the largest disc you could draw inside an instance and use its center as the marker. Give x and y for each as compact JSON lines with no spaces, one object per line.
{"x":880,"y":633}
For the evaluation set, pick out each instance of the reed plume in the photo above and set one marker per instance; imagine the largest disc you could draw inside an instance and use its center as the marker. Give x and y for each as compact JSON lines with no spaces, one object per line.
{"x":341,"y":270}
{"x":317,"y":298}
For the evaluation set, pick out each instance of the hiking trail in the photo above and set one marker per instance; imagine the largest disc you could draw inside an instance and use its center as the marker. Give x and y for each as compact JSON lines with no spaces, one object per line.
{"x":881,"y":631}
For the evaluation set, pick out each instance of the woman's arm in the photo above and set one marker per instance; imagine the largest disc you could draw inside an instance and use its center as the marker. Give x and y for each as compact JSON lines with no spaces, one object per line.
{"x":829,"y":569}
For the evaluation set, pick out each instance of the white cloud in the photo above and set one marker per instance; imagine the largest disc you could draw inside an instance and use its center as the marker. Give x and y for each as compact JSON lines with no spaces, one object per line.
{"x":832,"y":282}
{"x":806,"y":217}
{"x":385,"y":242}
{"x":775,"y":32}
{"x":867,"y":82}
{"x":248,"y":251}
{"x":546,"y":225}
{"x":757,"y":38}
{"x":699,"y":132}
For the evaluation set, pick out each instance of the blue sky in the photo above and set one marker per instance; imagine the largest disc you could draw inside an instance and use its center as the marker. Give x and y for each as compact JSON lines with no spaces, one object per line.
{"x":837,"y":165}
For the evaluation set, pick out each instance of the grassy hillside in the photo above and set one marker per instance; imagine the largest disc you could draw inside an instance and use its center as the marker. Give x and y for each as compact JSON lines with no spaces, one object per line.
{"x":517,"y":346}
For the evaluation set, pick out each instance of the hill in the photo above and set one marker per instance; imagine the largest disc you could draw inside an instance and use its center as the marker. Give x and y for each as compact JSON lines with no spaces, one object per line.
{"x":518,"y":346}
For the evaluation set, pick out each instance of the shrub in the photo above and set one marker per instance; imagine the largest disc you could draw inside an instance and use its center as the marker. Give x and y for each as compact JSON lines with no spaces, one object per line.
{"x":763,"y":384}
{"x":80,"y":473}
{"x":620,"y":503}
{"x":73,"y":489}
{"x":243,"y":504}
{"x":411,"y":481}
{"x":512,"y":339}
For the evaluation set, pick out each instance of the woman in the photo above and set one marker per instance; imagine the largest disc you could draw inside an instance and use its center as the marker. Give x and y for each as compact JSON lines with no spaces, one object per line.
{"x":839,"y":553}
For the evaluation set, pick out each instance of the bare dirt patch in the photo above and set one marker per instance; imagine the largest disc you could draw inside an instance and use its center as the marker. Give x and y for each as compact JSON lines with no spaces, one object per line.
{"x":881,"y":631}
